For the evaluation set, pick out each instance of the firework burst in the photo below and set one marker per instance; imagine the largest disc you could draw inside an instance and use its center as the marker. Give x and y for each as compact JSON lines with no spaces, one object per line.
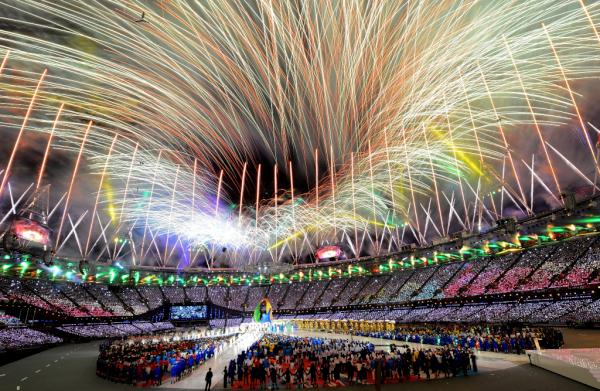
{"x":412,"y":107}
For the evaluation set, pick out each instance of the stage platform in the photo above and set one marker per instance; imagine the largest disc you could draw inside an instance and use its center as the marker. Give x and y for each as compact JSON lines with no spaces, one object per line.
{"x":582,"y":365}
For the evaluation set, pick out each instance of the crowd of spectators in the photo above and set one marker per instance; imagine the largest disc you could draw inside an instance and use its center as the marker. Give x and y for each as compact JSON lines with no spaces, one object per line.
{"x":410,"y":287}
{"x":370,"y":289}
{"x":152,"y":295}
{"x":56,"y":297}
{"x":311,"y":295}
{"x":437,"y":281}
{"x":132,"y":300}
{"x":587,"y":313}
{"x":545,"y":311}
{"x":463,"y":278}
{"x":218,"y":323}
{"x":219,"y":295}
{"x":16,"y":338}
{"x":238,"y":299}
{"x":331,"y":293}
{"x":197,"y":294}
{"x":255,"y":295}
{"x":234,"y":322}
{"x":489,"y":274}
{"x":391,"y":286}
{"x":293,"y":296}
{"x":115,"y":329}
{"x":175,"y":294}
{"x":108,"y":299}
{"x":556,"y":310}
{"x":15,"y":290}
{"x":582,"y":271}
{"x":9,"y":320}
{"x":351,"y":291}
{"x":526,"y":264}
{"x":79,"y":295}
{"x":573,"y":263}
{"x":558,"y":262}
{"x":276,"y":293}
{"x":153,"y":327}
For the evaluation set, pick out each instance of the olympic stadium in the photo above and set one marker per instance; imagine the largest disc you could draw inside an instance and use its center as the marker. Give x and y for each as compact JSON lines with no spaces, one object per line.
{"x":299,"y":194}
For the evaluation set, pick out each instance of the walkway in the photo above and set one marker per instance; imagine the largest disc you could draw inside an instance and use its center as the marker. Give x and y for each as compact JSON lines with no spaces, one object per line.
{"x":217,"y":363}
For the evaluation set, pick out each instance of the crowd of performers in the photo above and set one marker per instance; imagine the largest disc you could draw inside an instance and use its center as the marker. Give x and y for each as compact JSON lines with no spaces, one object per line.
{"x":138,"y":361}
{"x":484,"y":337}
{"x":503,"y":339}
{"x":278,"y":360}
{"x":293,"y":362}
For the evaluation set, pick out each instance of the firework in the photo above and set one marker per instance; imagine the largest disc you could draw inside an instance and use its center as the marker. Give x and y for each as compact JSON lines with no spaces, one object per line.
{"x":408,"y":103}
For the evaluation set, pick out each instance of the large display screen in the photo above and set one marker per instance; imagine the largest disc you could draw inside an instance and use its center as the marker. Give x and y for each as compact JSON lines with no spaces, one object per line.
{"x":328,"y":252}
{"x":188,"y":312}
{"x":31,"y":231}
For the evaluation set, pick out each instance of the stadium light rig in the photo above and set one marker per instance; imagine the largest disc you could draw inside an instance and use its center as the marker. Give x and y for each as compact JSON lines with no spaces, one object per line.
{"x":117,"y":274}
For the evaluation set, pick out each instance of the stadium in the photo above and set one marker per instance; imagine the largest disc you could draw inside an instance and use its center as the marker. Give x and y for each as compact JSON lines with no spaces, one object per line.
{"x":279,"y":194}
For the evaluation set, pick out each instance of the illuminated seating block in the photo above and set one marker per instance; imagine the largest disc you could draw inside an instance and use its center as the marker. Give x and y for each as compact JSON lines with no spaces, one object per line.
{"x":582,"y":365}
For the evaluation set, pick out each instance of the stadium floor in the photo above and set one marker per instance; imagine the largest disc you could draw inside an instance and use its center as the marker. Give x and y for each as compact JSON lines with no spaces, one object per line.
{"x":72,"y":367}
